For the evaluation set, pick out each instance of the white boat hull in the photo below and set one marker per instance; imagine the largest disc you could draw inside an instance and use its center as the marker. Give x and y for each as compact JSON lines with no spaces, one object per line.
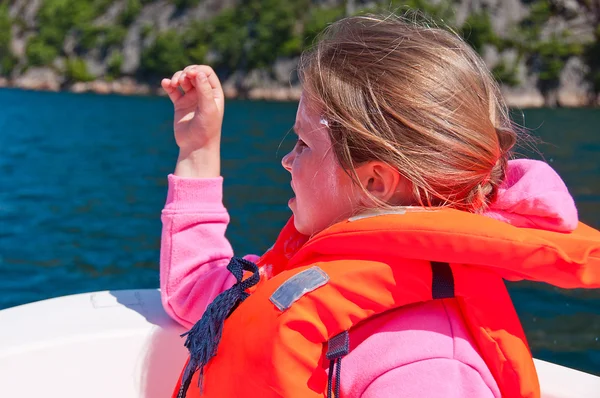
{"x":121,"y":344}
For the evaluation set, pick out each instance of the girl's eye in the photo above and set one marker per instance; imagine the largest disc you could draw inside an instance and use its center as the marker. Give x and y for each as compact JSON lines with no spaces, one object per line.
{"x":301,"y":143}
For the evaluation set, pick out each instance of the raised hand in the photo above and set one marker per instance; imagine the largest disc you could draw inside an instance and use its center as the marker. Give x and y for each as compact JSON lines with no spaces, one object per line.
{"x":199,"y":103}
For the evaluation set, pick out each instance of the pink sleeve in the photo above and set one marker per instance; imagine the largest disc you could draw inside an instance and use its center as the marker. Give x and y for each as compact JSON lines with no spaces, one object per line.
{"x":194,"y":250}
{"x":431,"y":378}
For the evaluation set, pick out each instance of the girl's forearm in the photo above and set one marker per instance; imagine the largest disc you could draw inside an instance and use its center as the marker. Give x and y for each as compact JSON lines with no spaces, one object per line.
{"x":194,"y":250}
{"x":199,"y":163}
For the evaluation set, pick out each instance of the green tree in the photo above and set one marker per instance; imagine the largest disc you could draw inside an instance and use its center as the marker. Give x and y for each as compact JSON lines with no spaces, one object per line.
{"x":146,"y":29}
{"x":166,"y":55}
{"x":132,"y":10}
{"x":115,"y":62}
{"x":505,"y":74}
{"x":90,"y":37}
{"x":182,"y":4}
{"x":275,"y":20}
{"x":253,"y":34}
{"x":317,"y":19}
{"x":76,"y":70}
{"x":478,"y":31}
{"x":56,"y":18}
{"x":39,"y":52}
{"x":196,"y":41}
{"x":229,"y":33}
{"x":7,"y":58}
{"x":552,"y":56}
{"x":540,"y":12}
{"x":114,"y":36}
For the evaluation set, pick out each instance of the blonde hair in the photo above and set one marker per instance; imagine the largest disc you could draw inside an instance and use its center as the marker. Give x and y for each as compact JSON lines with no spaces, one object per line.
{"x":416,"y":97}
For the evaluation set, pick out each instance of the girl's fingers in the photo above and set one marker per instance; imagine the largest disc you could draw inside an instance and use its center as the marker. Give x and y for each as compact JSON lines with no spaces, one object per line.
{"x":181,"y":78}
{"x":172,"y":92}
{"x":217,"y":90}
{"x":204,"y":89}
{"x":213,"y":80}
{"x":184,"y":82}
{"x":203,"y":78}
{"x":191,"y":70}
{"x":175,"y":79}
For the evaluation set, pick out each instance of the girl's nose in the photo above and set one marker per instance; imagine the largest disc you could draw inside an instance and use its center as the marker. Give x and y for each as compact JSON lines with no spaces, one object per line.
{"x":287,"y":160}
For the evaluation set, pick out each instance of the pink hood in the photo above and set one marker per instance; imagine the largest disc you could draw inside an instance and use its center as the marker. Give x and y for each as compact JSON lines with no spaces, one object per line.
{"x":534,"y":196}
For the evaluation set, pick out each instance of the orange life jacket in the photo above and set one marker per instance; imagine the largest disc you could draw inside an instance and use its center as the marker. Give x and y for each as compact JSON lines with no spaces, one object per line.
{"x":378,"y":264}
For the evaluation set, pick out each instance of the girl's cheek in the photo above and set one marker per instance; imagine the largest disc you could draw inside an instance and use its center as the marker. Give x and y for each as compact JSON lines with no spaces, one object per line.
{"x":297,"y":162}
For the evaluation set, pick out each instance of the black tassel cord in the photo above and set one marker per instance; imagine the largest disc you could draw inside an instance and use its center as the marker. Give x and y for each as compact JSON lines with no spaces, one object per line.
{"x":203,"y":338}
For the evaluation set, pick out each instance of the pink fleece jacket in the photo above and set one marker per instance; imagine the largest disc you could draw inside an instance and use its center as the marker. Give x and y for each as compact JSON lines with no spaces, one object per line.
{"x":421,"y":351}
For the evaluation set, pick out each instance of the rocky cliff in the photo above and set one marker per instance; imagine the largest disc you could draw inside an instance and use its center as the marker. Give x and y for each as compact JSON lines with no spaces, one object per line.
{"x":545,"y":52}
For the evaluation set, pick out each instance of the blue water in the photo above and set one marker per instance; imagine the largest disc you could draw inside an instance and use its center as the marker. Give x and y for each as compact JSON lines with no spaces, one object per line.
{"x":83,"y":181}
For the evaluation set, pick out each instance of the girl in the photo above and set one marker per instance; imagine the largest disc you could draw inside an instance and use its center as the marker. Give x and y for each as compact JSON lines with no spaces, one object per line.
{"x":407,"y":216}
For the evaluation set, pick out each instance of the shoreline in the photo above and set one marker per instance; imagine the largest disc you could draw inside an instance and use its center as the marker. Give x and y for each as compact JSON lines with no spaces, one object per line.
{"x":515,"y":98}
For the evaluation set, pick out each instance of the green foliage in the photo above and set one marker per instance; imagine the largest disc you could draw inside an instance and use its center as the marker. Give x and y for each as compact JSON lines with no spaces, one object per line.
{"x":7,"y":64}
{"x":7,"y":58}
{"x":76,"y":70}
{"x":248,"y":36}
{"x":114,"y":36}
{"x":317,"y":19}
{"x":115,"y":63}
{"x":132,"y":10}
{"x":182,"y":4}
{"x":275,"y":20}
{"x":292,"y":47}
{"x":253,"y":34}
{"x":477,"y":31}
{"x":146,"y":30}
{"x":505,"y":74}
{"x":102,"y":37}
{"x":553,"y":55}
{"x":171,"y":51}
{"x":530,"y":27}
{"x":56,"y":18}
{"x":229,"y":34}
{"x":90,"y":37}
{"x":166,"y":55}
{"x":195,"y":42}
{"x":5,"y":27}
{"x":39,"y":52}
{"x":101,"y":6}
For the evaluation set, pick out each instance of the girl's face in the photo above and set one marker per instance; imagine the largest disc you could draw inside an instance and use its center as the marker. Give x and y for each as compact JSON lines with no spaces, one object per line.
{"x":325,"y":194}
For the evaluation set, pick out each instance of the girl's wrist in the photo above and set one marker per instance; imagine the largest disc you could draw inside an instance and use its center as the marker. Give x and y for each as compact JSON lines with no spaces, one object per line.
{"x":199,"y":163}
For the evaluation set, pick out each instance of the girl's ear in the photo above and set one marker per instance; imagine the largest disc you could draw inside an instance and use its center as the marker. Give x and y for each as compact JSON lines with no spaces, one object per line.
{"x":384,"y":182}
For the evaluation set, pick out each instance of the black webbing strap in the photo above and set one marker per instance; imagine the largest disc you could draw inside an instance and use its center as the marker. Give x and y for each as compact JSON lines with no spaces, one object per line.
{"x":337,"y":348}
{"x":442,"y":283}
